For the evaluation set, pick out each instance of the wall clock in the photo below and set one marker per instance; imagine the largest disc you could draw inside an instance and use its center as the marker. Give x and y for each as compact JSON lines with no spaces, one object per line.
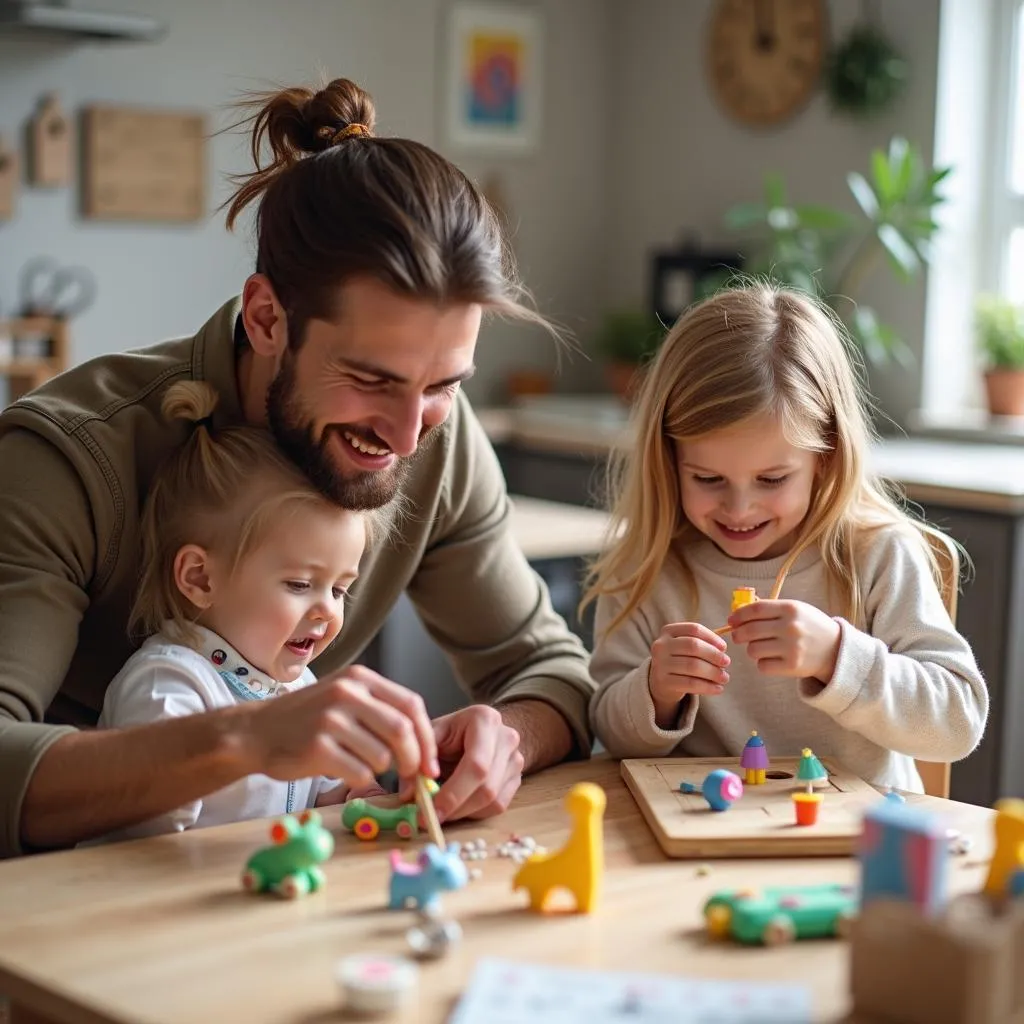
{"x":765,"y":57}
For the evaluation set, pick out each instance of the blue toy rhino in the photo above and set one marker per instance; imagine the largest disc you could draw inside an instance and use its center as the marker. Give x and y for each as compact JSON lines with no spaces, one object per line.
{"x":420,"y":884}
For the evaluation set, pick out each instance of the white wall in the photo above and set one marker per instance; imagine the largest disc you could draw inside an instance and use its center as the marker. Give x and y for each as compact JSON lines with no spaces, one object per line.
{"x":158,"y":281}
{"x":679,"y":163}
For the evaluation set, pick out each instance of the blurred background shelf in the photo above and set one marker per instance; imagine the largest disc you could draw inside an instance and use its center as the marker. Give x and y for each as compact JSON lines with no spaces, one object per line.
{"x":32,"y":350}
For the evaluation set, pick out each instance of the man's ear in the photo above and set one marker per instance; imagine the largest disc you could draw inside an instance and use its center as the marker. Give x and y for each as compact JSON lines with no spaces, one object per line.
{"x":264,"y":318}
{"x":193,"y":576}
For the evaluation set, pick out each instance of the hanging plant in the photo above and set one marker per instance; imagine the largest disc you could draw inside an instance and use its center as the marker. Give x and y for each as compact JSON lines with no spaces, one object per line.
{"x":865,"y":73}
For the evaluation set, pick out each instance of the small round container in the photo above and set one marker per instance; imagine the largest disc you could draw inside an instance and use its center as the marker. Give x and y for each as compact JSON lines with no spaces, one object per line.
{"x":375,"y":984}
{"x":806,"y":806}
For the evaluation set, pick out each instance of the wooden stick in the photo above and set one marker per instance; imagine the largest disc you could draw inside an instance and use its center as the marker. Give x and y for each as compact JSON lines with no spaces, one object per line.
{"x":426,"y":805}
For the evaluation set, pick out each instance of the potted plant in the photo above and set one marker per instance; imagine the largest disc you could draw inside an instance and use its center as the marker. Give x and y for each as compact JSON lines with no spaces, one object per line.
{"x":628,"y":338}
{"x":999,"y":334}
{"x":829,"y":254}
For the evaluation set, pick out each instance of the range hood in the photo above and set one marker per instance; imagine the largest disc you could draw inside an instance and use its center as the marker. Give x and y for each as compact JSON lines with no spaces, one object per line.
{"x":56,"y":18}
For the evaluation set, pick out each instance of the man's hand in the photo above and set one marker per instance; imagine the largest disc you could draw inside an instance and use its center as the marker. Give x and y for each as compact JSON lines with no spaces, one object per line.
{"x":350,"y":725}
{"x":486,"y":763}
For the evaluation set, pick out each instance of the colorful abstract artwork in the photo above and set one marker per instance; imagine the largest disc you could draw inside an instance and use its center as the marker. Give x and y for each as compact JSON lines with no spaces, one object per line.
{"x":493,"y":94}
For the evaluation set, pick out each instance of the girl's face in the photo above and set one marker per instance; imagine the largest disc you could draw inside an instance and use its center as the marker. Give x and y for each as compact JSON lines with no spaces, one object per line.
{"x":746,"y":487}
{"x":285,"y":601}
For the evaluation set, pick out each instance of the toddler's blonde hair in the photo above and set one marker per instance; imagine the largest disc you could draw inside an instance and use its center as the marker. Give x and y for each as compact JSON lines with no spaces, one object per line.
{"x":222,"y":490}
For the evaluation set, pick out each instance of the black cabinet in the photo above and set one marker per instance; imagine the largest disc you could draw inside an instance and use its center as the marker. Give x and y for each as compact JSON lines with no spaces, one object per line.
{"x":990,"y":616}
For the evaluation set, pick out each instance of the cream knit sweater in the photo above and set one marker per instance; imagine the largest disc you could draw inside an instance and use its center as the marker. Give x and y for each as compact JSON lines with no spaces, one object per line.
{"x":908,"y":687}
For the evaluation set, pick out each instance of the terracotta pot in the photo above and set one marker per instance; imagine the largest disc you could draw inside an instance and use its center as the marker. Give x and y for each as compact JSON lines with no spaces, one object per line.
{"x":528,"y":382}
{"x":623,"y":378}
{"x":1005,"y":391}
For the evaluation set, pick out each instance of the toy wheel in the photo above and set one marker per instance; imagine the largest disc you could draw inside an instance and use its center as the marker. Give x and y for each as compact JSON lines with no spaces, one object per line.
{"x":844,"y":924}
{"x":251,"y":880}
{"x":292,"y":886}
{"x":778,"y":931}
{"x":404,"y":830}
{"x":367,"y":828}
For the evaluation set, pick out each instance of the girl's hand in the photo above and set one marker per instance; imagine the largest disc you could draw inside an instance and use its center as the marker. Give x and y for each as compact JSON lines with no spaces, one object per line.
{"x":788,"y":638}
{"x":686,"y":658}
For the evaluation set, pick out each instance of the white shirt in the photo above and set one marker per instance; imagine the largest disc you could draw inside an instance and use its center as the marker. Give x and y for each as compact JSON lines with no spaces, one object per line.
{"x":166,"y":679}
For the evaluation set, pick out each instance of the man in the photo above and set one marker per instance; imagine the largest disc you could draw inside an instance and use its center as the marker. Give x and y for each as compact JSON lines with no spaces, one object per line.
{"x":376,"y":261}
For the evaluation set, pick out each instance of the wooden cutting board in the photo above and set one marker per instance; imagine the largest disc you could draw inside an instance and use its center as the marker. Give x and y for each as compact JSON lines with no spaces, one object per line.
{"x":762,"y":823}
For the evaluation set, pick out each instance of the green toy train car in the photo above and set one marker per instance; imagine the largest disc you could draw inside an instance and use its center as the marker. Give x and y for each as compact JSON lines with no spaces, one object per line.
{"x":776,"y":916}
{"x":367,"y":819}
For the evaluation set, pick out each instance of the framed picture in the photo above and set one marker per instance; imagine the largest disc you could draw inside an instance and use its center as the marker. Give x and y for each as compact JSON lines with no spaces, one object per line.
{"x":493,"y":92}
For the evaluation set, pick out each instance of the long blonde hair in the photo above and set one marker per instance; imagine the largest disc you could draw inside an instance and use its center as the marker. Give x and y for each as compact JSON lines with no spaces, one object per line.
{"x":741,"y":353}
{"x":223,"y":490}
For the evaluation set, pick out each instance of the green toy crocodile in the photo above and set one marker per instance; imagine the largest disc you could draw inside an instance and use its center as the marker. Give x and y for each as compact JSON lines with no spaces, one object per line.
{"x":289,"y":866}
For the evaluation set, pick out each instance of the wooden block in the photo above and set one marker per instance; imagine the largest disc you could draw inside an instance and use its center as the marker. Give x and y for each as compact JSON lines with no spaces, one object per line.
{"x":8,"y":180}
{"x":960,"y":968}
{"x":760,"y":824}
{"x":50,"y":144}
{"x":143,"y":165}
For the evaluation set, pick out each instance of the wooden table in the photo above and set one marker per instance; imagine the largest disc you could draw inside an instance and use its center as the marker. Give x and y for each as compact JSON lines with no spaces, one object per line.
{"x":158,"y":931}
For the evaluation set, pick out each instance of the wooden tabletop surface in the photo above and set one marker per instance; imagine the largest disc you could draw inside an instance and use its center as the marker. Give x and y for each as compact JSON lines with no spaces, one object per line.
{"x":158,"y":931}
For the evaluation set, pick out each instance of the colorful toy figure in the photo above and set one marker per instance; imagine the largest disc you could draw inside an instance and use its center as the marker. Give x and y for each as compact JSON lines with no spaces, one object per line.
{"x":1008,"y":855}
{"x":903,"y":853}
{"x":366,"y":819}
{"x":742,"y":596}
{"x":774,"y":916}
{"x":421,"y":884}
{"x":289,"y":866}
{"x":754,"y":761}
{"x":579,"y":865}
{"x":720,"y":788}
{"x":810,"y":770}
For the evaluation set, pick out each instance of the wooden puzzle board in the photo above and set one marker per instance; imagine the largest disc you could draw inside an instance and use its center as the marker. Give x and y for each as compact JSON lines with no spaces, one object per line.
{"x":762,"y":823}
{"x":143,"y":165}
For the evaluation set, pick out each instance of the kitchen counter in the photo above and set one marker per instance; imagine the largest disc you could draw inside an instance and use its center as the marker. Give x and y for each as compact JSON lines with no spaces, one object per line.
{"x":985,"y":476}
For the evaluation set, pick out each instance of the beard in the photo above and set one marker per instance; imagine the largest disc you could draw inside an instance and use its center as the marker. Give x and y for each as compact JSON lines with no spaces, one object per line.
{"x":292,"y":428}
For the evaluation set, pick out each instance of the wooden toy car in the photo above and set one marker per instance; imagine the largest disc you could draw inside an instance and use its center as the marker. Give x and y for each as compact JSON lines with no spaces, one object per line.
{"x":776,"y":916}
{"x":366,"y":818}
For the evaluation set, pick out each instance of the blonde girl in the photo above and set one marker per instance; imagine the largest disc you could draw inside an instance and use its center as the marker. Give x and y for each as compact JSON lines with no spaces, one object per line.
{"x":750,"y":469}
{"x":245,"y":571}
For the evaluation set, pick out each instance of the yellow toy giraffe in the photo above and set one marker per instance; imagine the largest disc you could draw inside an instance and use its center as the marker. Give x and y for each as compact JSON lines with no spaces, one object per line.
{"x":579,"y":865}
{"x":1008,"y":855}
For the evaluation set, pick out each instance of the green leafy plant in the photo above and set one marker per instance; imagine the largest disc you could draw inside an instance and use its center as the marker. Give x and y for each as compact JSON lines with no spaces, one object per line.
{"x":999,"y":332}
{"x":865,"y":73}
{"x":629,"y":336}
{"x":825,"y":252}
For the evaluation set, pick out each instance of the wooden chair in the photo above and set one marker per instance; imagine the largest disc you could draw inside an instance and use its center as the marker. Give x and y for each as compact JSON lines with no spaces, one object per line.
{"x":934,"y":775}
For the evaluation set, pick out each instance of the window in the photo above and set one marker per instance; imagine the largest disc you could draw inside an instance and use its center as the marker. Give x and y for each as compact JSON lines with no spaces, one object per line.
{"x":1006,"y":216}
{"x":979,"y":130}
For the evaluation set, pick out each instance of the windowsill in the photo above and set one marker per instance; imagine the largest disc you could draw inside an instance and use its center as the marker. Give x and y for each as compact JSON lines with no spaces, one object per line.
{"x":967,"y":425}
